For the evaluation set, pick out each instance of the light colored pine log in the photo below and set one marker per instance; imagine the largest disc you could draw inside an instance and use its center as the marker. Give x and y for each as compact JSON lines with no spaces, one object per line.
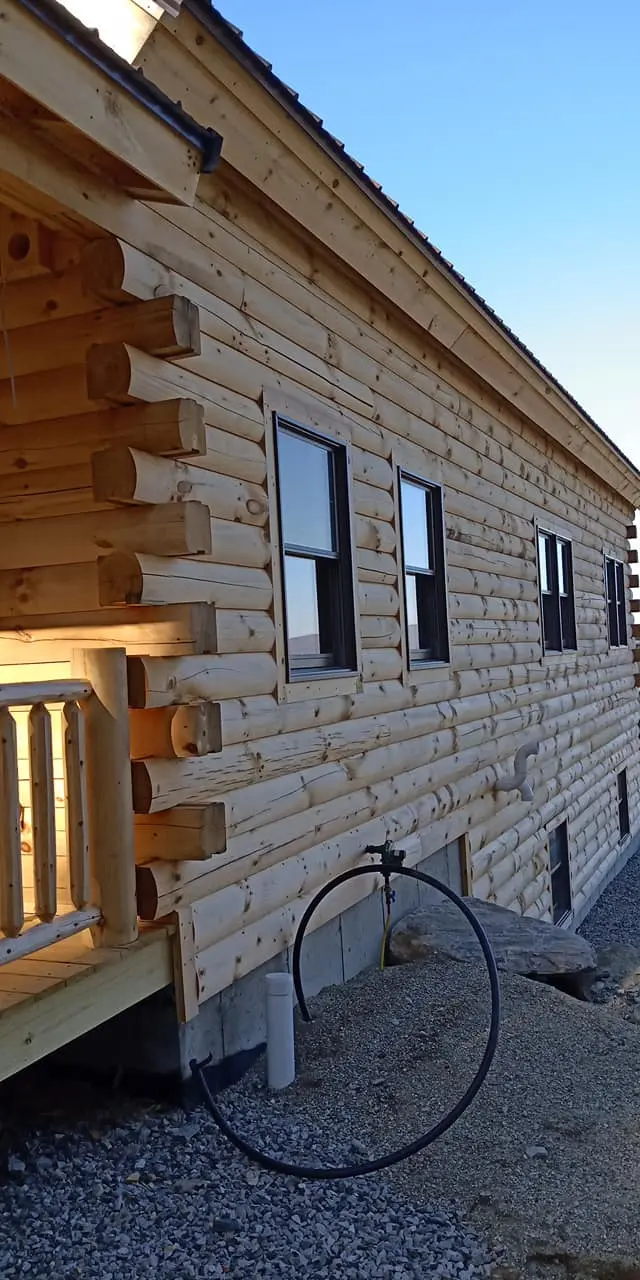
{"x":378,"y":600}
{"x":26,"y":246}
{"x":45,"y":298}
{"x":171,"y":427}
{"x":233,"y":543}
{"x":169,"y":732}
{"x":109,"y":791}
{"x":159,"y":682}
{"x":41,"y":770}
{"x":11,"y":902}
{"x":69,"y":588}
{"x":112,"y":269}
{"x":165,"y":327}
{"x":127,"y":475}
{"x":372,"y":502}
{"x":152,"y":580}
{"x":77,"y":805}
{"x":232,"y":455}
{"x":374,"y":535}
{"x":32,"y":398}
{"x":168,"y":529}
{"x":380,"y":633}
{"x":184,"y":966}
{"x":244,"y":632}
{"x":173,"y":631}
{"x":192,"y":833}
{"x":381,"y":664}
{"x":376,"y":566}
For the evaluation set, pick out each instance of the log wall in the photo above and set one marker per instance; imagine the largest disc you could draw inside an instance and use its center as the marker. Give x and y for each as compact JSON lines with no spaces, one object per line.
{"x":135,"y":450}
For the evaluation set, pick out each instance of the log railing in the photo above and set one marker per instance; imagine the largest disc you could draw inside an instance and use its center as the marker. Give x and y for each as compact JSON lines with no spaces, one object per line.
{"x":98,"y":886}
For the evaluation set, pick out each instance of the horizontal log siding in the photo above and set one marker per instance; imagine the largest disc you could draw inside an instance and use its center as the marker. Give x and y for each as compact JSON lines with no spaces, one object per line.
{"x":308,"y":783}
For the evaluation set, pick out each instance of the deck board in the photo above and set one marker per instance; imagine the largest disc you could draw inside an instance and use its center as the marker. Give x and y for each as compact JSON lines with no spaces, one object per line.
{"x":71,"y":987}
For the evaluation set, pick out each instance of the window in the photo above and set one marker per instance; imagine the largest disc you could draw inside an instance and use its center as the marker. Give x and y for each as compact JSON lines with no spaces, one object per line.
{"x":623,"y":805}
{"x":424,"y":571}
{"x":560,"y":876}
{"x":316,"y":552}
{"x":556,"y":592}
{"x":616,"y":602}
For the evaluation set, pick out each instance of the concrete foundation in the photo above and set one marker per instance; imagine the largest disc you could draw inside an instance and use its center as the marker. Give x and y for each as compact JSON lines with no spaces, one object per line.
{"x":148,"y":1040}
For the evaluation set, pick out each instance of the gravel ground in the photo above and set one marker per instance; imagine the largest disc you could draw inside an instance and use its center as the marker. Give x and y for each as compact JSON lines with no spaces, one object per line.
{"x":537,"y":1179}
{"x":616,"y":917}
{"x":122,"y":1191}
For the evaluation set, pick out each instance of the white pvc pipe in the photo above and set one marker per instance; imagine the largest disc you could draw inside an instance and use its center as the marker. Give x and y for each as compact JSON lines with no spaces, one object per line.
{"x":281,"y":1060}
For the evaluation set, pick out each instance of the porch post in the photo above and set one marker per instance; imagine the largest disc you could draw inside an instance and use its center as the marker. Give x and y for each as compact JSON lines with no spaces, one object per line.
{"x":110,"y":800}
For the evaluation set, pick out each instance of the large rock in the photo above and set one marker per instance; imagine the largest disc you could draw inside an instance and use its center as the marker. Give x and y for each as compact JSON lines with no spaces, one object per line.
{"x":520,"y":945}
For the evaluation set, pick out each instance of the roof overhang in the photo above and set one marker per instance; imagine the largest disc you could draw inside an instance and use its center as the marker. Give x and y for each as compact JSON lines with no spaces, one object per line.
{"x":59,"y":79}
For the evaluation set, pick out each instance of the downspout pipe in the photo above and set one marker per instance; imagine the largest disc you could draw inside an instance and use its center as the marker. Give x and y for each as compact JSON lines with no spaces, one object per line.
{"x":517,"y":781}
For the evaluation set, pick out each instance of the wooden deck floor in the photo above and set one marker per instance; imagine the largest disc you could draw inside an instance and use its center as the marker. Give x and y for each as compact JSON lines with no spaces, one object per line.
{"x":67,"y":989}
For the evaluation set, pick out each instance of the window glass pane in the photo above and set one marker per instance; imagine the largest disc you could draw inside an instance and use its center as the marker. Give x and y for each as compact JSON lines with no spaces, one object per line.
{"x":305,"y":470}
{"x":415,"y":527}
{"x":562,"y":575}
{"x":543,"y":553}
{"x":301,"y":597}
{"x":412,"y":612}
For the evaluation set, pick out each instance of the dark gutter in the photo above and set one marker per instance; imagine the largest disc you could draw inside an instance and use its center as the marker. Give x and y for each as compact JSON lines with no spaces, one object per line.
{"x":132,"y":80}
{"x":231,"y":39}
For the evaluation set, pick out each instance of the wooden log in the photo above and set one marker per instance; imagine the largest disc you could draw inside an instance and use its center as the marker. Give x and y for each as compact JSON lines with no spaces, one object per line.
{"x":111,"y":269}
{"x":44,"y":298}
{"x":120,"y":373}
{"x":378,"y":600}
{"x":238,"y":544}
{"x":24,"y":695}
{"x":170,"y":427}
{"x":77,"y":805}
{"x":26,"y":246}
{"x":127,"y":475}
{"x":164,"y":327}
{"x":185,"y":974}
{"x":232,"y":455}
{"x":247,"y":632}
{"x":381,"y":664}
{"x":70,"y":588}
{"x":47,"y":935}
{"x":169,"y":529}
{"x":41,"y":769}
{"x":148,"y":580}
{"x":170,"y":732}
{"x":631,"y":533}
{"x":109,"y":790}
{"x":380,"y":633}
{"x":192,"y":833}
{"x":632,"y":556}
{"x":634,"y":581}
{"x":170,"y":632}
{"x":374,"y":535}
{"x":11,"y":902}
{"x":158,"y":682}
{"x":32,"y":398}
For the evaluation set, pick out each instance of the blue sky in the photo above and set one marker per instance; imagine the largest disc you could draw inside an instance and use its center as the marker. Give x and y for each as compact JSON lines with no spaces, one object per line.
{"x":508,"y":129}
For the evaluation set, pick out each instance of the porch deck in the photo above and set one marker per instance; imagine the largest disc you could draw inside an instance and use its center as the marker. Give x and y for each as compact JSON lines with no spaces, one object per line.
{"x":67,"y":989}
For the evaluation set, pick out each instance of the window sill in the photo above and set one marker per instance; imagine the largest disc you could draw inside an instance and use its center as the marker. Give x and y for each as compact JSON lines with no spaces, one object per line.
{"x":328,"y":684}
{"x":426,"y":672}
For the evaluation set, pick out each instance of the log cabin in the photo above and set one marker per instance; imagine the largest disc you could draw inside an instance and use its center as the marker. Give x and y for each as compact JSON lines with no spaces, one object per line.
{"x":300,"y":546}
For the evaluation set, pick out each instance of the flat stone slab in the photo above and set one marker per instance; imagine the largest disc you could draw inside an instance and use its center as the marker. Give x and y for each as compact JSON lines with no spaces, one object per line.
{"x":520,"y":944}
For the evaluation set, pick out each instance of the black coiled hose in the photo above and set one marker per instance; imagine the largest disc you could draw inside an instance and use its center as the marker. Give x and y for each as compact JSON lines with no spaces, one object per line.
{"x":391,"y":864}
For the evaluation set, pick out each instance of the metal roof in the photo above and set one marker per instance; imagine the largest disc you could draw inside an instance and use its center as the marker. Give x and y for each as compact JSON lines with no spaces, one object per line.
{"x":231,"y":37}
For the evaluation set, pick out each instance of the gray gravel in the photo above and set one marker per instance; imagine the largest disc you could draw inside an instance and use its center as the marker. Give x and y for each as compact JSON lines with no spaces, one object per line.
{"x":537,"y":1179}
{"x":616,"y":916}
{"x":125,"y":1190}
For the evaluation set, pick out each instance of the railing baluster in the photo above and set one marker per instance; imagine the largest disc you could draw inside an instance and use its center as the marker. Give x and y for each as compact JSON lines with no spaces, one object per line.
{"x":76,"y":800}
{"x":43,"y":811}
{"x":11,"y":901}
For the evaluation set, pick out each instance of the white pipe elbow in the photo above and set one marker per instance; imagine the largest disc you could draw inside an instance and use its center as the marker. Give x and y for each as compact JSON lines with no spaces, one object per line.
{"x":518,"y":779}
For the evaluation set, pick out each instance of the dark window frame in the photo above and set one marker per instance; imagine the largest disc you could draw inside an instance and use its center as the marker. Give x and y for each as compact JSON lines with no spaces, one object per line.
{"x":616,"y":599}
{"x":557,"y":608}
{"x":560,"y":873}
{"x":335,"y":572}
{"x":431,"y":584}
{"x":624,"y":823}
